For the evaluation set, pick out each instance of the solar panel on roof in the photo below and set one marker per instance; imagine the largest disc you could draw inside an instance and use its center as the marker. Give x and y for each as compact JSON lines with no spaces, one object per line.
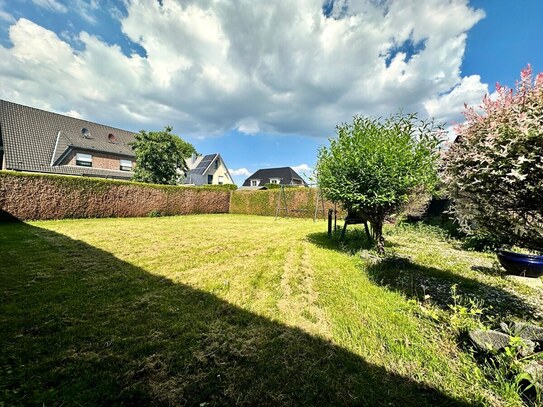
{"x":202,"y":166}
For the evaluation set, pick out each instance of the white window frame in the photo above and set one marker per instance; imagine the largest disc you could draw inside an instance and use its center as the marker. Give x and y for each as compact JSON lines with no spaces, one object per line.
{"x":83,"y":160}
{"x":125,"y":165}
{"x":255,"y":182}
{"x":220,"y":179}
{"x":275,"y":180}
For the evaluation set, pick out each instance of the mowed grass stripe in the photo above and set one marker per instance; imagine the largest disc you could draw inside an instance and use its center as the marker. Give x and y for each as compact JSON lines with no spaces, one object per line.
{"x":219,"y":309}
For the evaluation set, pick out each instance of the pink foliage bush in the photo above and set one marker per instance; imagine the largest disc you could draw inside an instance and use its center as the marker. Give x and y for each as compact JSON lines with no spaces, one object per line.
{"x":494,"y":170}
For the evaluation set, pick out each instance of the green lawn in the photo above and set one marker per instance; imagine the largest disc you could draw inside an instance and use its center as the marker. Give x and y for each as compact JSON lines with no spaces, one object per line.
{"x":238,"y":310}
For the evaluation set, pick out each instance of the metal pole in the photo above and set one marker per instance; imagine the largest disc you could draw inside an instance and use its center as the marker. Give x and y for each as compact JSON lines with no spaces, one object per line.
{"x":335,"y":217}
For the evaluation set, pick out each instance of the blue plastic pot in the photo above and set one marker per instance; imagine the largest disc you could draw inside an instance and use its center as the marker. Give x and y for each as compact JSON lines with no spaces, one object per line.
{"x":528,"y":265}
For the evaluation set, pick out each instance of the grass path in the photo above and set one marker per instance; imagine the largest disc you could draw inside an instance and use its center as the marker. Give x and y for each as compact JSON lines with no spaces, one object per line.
{"x":225,"y":310}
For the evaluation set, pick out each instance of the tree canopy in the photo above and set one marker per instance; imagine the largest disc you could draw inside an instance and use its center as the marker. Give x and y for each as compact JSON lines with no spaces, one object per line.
{"x":372,"y":166}
{"x":160,"y":156}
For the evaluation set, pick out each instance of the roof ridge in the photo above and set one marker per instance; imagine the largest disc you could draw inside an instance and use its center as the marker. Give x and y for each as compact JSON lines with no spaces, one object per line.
{"x":65,"y":115}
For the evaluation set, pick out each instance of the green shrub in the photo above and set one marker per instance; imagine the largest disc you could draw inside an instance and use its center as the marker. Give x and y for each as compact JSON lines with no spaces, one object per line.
{"x":373,"y":166}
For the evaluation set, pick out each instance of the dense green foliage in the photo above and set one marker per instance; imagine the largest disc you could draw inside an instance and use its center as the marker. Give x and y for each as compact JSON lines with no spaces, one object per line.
{"x":495,"y":168}
{"x":160,"y":156}
{"x":373,"y":166}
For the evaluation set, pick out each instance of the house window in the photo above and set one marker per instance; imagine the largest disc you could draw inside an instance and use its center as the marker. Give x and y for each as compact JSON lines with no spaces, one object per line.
{"x":210,"y":179}
{"x":216,"y":164}
{"x":126,"y":165}
{"x":275,"y":180}
{"x":84,"y":160}
{"x":255,"y":182}
{"x":221,"y":180}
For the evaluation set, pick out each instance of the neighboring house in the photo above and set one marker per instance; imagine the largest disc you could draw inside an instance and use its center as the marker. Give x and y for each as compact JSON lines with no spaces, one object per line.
{"x":207,"y":169}
{"x":35,"y":140}
{"x":282,"y":176}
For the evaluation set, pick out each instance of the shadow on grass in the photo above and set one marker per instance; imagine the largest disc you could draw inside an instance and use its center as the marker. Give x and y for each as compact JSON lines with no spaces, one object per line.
{"x":418,"y":281}
{"x":355,"y":240}
{"x":81,"y":327}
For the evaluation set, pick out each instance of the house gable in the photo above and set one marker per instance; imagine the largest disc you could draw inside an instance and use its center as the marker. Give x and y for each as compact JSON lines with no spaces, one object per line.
{"x":204,"y":169}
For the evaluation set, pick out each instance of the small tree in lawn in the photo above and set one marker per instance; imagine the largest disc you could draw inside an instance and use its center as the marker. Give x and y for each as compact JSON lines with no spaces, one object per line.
{"x":160,"y":156}
{"x":495,"y":169}
{"x":372,"y":166}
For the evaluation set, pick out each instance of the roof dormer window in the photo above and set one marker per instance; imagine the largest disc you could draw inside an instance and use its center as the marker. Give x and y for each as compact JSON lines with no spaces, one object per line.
{"x":126,"y":165}
{"x":83,"y":160}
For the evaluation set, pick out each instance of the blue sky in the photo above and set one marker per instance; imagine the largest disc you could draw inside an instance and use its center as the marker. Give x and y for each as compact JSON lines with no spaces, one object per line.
{"x":264,"y":84}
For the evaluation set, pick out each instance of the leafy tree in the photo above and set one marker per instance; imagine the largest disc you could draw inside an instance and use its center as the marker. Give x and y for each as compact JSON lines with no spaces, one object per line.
{"x":495,"y":168}
{"x":373,"y":166}
{"x":160,"y":156}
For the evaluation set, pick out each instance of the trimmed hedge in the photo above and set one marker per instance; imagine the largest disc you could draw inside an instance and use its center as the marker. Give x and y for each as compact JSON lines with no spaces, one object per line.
{"x":300,"y":202}
{"x":30,"y":196}
{"x":223,"y":187}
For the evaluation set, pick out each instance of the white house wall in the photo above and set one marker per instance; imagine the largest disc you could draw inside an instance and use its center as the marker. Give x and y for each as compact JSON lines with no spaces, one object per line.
{"x":221,"y":170}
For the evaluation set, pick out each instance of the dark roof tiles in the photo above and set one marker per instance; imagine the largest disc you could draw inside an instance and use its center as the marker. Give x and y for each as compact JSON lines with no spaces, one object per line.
{"x":285,"y":175}
{"x":30,"y":135}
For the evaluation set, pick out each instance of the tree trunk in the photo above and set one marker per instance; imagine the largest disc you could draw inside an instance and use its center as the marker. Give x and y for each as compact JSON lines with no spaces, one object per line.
{"x":379,"y":238}
{"x":367,"y":229}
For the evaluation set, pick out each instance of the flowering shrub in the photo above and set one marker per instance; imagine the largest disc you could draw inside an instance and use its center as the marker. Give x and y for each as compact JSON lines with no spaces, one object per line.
{"x":494,"y":170}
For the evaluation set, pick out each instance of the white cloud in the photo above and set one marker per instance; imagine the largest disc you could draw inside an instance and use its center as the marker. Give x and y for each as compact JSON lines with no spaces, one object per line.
{"x":248,"y":126}
{"x":52,"y":5}
{"x":73,"y":113}
{"x":267,"y":67}
{"x":445,"y":107}
{"x":302,"y":168}
{"x":86,"y":9}
{"x":240,"y":172}
{"x":5,"y":16}
{"x":305,"y":171}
